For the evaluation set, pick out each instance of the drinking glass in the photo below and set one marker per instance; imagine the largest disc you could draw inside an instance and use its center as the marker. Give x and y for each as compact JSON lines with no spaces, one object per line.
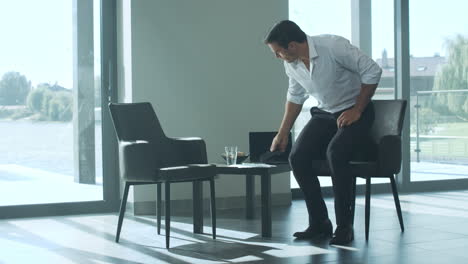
{"x":231,"y":155}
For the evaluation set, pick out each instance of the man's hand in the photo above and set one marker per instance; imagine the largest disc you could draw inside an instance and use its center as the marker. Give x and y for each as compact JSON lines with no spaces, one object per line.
{"x":348,"y":117}
{"x":279,"y":142}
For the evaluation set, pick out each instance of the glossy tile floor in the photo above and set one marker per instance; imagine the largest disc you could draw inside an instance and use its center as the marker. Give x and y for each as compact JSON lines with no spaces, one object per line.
{"x":436,"y":232}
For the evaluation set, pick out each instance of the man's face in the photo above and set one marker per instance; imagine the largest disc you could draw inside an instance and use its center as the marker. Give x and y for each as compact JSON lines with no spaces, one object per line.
{"x":288,"y":54}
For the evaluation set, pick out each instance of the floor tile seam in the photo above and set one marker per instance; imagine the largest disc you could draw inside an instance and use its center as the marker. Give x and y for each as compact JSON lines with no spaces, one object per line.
{"x":414,"y":242}
{"x":446,"y":231}
{"x":415,"y":245}
{"x":458,"y":255}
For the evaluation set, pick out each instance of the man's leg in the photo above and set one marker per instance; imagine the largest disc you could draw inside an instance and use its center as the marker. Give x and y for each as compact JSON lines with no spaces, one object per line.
{"x":340,"y":151}
{"x":311,"y":145}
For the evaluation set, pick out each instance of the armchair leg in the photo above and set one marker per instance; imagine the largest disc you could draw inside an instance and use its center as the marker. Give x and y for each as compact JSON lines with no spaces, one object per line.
{"x":213,"y":207}
{"x":122,"y":211}
{"x":368,"y":193}
{"x":353,"y":201}
{"x":397,"y":202}
{"x":197,"y":187}
{"x":168,"y":211}
{"x":158,"y":207}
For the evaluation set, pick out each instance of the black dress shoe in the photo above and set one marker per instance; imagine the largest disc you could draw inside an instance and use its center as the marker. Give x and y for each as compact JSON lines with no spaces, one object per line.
{"x":322,"y":230}
{"x":343,"y":235}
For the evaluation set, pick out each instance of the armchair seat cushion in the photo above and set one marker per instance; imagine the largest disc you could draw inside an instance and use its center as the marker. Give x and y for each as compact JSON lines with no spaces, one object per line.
{"x":362,"y":169}
{"x":189,"y":172}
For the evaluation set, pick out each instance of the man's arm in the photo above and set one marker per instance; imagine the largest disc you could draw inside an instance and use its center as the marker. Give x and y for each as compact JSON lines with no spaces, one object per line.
{"x":295,"y":98}
{"x":364,"y":97}
{"x":291,"y":113}
{"x":352,"y":115}
{"x":355,"y":60}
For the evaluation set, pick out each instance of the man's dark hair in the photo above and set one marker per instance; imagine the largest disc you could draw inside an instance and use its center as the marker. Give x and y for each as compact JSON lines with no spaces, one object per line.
{"x":284,"y":32}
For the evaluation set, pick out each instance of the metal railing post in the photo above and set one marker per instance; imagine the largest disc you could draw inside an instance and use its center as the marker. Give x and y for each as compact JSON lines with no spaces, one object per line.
{"x":417,"y":106}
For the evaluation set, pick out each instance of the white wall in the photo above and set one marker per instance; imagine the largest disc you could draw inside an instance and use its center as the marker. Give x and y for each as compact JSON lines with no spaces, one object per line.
{"x":204,"y":67}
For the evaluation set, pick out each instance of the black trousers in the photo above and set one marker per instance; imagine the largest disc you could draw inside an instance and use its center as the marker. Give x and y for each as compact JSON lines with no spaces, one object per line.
{"x":322,"y":140}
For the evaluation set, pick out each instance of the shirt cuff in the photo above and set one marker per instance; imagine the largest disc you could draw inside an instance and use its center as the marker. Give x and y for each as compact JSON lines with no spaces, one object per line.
{"x":371,"y":78}
{"x":296,"y":99}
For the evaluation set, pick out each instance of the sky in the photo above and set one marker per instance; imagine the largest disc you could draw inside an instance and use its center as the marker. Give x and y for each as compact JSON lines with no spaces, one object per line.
{"x":37,"y":35}
{"x":36,"y":40}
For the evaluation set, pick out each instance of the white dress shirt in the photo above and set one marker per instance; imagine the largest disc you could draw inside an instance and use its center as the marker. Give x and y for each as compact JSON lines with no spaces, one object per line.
{"x":337,"y":70}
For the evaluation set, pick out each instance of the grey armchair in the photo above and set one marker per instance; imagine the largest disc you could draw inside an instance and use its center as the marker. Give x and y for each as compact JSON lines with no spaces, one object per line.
{"x":386,"y":134}
{"x":148,"y":156}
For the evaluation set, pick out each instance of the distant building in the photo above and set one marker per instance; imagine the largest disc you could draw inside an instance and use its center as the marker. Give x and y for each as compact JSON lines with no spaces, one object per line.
{"x":422,"y":71}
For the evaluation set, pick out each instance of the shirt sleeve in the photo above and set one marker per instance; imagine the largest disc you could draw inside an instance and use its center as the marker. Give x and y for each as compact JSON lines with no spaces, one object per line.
{"x":355,"y":60}
{"x":296,"y":93}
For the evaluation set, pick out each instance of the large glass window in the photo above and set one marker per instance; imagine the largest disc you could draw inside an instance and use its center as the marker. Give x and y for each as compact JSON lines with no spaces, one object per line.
{"x":383,"y":51}
{"x":439,"y":89}
{"x":50,"y":106}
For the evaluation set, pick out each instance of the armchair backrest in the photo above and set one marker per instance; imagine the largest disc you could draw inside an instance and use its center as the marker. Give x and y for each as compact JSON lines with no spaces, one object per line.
{"x":389,"y":116}
{"x":136,"y":121}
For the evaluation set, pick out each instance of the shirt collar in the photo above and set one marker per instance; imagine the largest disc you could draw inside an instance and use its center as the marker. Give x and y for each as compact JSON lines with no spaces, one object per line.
{"x":312,"y":51}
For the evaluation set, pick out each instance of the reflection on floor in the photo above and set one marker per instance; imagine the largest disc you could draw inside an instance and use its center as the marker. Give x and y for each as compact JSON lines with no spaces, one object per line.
{"x":436,"y":232}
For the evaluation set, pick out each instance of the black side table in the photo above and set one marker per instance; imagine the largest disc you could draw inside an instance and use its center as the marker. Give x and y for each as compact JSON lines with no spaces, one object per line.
{"x":249,"y":172}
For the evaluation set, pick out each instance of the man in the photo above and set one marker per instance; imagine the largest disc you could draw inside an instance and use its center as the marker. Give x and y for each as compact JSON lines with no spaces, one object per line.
{"x":342,"y":79}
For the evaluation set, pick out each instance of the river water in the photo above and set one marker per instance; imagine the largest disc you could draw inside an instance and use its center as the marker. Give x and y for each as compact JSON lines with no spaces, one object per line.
{"x":43,"y":145}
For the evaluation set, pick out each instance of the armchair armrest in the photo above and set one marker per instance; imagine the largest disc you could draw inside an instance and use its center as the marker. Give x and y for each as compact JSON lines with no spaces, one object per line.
{"x":137,"y":160}
{"x":191,"y":150}
{"x":389,"y":155}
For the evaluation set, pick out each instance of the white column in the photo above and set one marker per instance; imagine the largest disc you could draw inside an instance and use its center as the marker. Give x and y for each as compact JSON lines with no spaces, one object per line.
{"x":361,"y":25}
{"x":83,"y":92}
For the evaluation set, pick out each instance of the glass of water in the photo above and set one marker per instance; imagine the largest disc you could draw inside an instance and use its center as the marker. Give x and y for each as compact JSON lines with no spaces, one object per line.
{"x":231,"y":155}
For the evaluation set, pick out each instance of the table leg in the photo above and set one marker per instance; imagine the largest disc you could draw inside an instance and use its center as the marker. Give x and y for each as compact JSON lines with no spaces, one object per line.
{"x":249,"y":196}
{"x":266,"y":204}
{"x":197,"y":207}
